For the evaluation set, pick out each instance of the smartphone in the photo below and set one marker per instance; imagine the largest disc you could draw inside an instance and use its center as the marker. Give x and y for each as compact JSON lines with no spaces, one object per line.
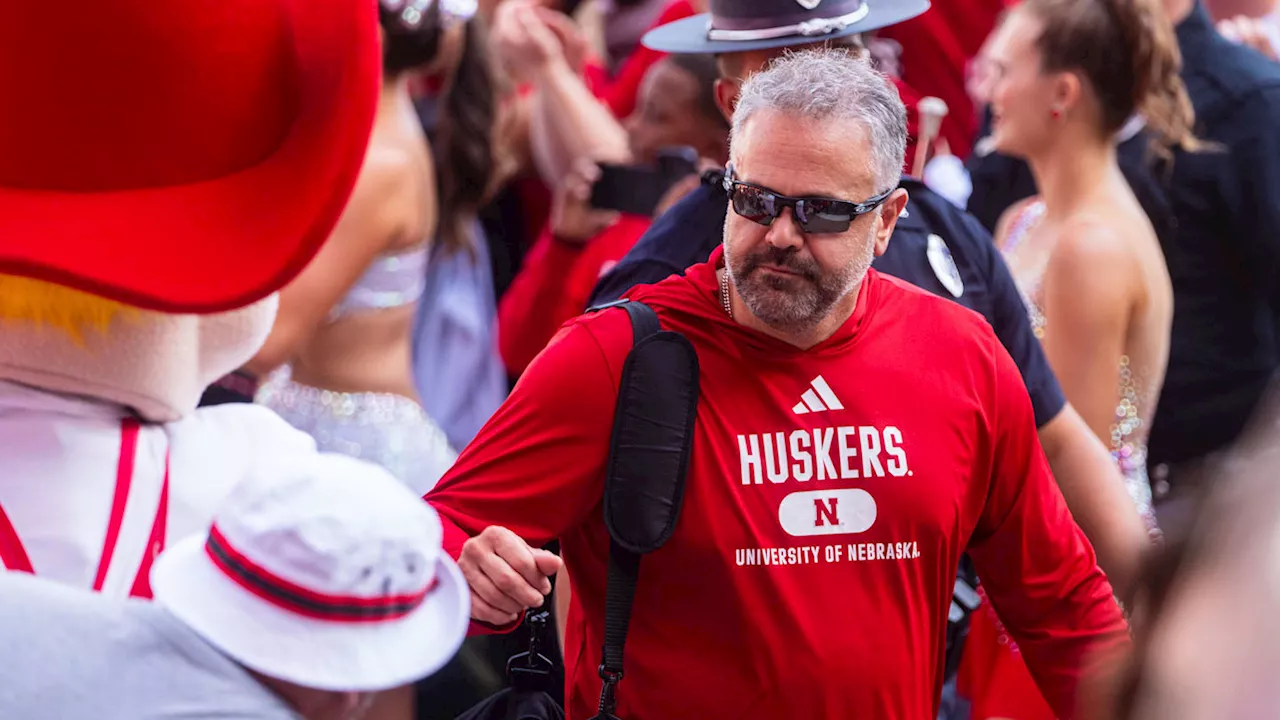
{"x":637,"y":189}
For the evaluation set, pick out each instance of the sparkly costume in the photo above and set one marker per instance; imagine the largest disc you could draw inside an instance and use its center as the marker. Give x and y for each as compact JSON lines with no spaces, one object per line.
{"x":391,"y":430}
{"x":993,"y":676}
{"x":1128,"y":442}
{"x":391,"y":281}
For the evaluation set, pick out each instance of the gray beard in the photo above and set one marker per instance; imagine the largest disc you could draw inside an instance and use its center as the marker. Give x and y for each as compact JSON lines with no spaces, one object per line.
{"x":796,"y":302}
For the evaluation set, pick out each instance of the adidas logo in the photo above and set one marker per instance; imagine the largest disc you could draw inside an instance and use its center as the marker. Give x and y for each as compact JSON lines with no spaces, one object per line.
{"x":818,"y":398}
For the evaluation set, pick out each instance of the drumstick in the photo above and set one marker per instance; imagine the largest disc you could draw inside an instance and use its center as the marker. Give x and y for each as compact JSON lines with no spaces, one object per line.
{"x":929,"y":113}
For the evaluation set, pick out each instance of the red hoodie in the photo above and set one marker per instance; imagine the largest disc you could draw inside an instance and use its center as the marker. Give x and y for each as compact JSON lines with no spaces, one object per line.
{"x":622,"y":91}
{"x":831,"y":493}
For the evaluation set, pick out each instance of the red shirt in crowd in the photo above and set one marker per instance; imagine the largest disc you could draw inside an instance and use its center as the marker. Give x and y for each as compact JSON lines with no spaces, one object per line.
{"x":621,"y":91}
{"x":830,"y":494}
{"x":554,"y":285}
{"x":936,"y":49}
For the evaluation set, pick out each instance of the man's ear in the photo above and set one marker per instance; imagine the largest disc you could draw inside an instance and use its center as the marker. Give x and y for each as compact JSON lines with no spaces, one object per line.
{"x":887,"y":219}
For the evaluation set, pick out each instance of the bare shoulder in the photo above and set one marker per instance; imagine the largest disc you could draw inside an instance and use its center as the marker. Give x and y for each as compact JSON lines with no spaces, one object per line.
{"x":1094,"y":243}
{"x":1092,"y":256}
{"x":396,"y":191}
{"x":387,"y":166}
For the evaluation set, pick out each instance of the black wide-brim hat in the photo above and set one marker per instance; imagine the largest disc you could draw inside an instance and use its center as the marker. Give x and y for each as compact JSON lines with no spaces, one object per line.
{"x":745,"y":25}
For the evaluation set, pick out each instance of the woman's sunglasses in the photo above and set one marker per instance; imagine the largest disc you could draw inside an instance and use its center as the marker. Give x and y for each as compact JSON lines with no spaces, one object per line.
{"x":814,"y":215}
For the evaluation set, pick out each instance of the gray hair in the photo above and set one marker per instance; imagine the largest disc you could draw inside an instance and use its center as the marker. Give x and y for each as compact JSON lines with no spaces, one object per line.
{"x":832,"y":83}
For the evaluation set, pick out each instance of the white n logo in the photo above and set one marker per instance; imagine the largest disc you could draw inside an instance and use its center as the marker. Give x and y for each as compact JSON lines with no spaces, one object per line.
{"x":824,"y":511}
{"x":847,"y":511}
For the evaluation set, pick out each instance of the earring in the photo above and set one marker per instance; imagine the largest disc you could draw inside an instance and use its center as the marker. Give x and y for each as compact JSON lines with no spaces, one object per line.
{"x":1057,"y":113}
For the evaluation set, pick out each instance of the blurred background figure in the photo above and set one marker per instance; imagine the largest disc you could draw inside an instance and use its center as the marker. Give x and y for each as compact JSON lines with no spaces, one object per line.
{"x":1224,"y":259}
{"x":1084,"y":243}
{"x":339,"y":356}
{"x":1068,"y":76}
{"x":1253,"y":23}
{"x":676,"y":110}
{"x":1217,"y":220}
{"x":1206,"y":631}
{"x":937,"y":49}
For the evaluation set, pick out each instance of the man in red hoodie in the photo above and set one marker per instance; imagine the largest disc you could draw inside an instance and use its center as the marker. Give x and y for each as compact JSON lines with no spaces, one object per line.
{"x":854,"y":436}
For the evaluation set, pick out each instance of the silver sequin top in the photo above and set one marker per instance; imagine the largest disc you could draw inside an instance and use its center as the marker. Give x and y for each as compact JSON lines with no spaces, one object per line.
{"x":390,"y":281}
{"x":1133,"y":407}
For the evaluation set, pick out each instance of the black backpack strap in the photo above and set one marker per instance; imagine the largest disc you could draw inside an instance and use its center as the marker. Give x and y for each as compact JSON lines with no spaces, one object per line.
{"x":645,"y":476}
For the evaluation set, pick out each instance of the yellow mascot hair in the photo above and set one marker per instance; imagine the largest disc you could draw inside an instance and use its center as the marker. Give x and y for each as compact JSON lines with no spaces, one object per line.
{"x":54,"y":306}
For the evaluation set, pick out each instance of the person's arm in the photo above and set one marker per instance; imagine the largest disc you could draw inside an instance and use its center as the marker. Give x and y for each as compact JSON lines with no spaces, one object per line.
{"x":536,"y":469}
{"x":1094,"y":490}
{"x":1086,"y":473}
{"x":567,"y":123}
{"x":563,"y":594}
{"x":542,"y":50}
{"x":1036,"y":565}
{"x":369,"y":224}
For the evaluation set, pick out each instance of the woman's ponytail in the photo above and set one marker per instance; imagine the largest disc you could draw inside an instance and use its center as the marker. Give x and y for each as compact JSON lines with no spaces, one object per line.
{"x":1160,"y":95}
{"x":464,"y":148}
{"x":1165,"y":104}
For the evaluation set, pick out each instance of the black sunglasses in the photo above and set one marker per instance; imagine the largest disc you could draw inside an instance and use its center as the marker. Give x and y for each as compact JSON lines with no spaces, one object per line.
{"x":814,"y":215}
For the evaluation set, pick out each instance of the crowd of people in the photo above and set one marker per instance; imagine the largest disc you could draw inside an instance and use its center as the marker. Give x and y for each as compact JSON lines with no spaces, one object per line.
{"x":325,"y":374}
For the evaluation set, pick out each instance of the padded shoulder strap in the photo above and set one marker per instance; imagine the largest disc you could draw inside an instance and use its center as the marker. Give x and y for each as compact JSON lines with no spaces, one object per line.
{"x":644,"y":321}
{"x":652,"y":435}
{"x":645,"y":476}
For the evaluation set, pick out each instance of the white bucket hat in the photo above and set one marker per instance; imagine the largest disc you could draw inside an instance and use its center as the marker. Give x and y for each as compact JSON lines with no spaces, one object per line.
{"x":322,"y":571}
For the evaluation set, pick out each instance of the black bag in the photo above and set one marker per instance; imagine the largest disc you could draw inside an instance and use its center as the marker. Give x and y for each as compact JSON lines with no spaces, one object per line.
{"x":528,"y":676}
{"x":643,"y":493}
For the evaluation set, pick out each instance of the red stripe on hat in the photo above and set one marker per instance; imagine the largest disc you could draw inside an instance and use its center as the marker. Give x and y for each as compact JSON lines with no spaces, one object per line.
{"x":304,"y":601}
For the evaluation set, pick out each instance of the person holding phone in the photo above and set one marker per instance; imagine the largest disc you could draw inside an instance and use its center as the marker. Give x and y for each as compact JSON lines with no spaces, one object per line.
{"x":600,"y":212}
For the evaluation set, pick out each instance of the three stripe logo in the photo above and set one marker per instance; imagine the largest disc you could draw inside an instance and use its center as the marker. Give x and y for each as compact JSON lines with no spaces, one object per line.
{"x":818,"y":398}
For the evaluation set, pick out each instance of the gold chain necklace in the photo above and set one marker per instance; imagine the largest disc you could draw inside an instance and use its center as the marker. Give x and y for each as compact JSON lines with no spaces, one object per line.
{"x":724,"y":293}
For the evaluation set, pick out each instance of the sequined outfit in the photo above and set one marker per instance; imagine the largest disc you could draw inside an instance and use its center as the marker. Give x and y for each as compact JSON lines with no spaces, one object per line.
{"x":993,"y":676}
{"x":391,"y":281}
{"x":390,"y":430}
{"x":1128,"y":441}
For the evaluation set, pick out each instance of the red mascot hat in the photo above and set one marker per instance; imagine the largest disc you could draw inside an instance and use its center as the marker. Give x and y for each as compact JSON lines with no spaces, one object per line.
{"x":183,"y":156}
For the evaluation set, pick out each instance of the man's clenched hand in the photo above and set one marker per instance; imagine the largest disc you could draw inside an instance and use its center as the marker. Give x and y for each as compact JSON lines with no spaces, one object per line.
{"x":506,"y":576}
